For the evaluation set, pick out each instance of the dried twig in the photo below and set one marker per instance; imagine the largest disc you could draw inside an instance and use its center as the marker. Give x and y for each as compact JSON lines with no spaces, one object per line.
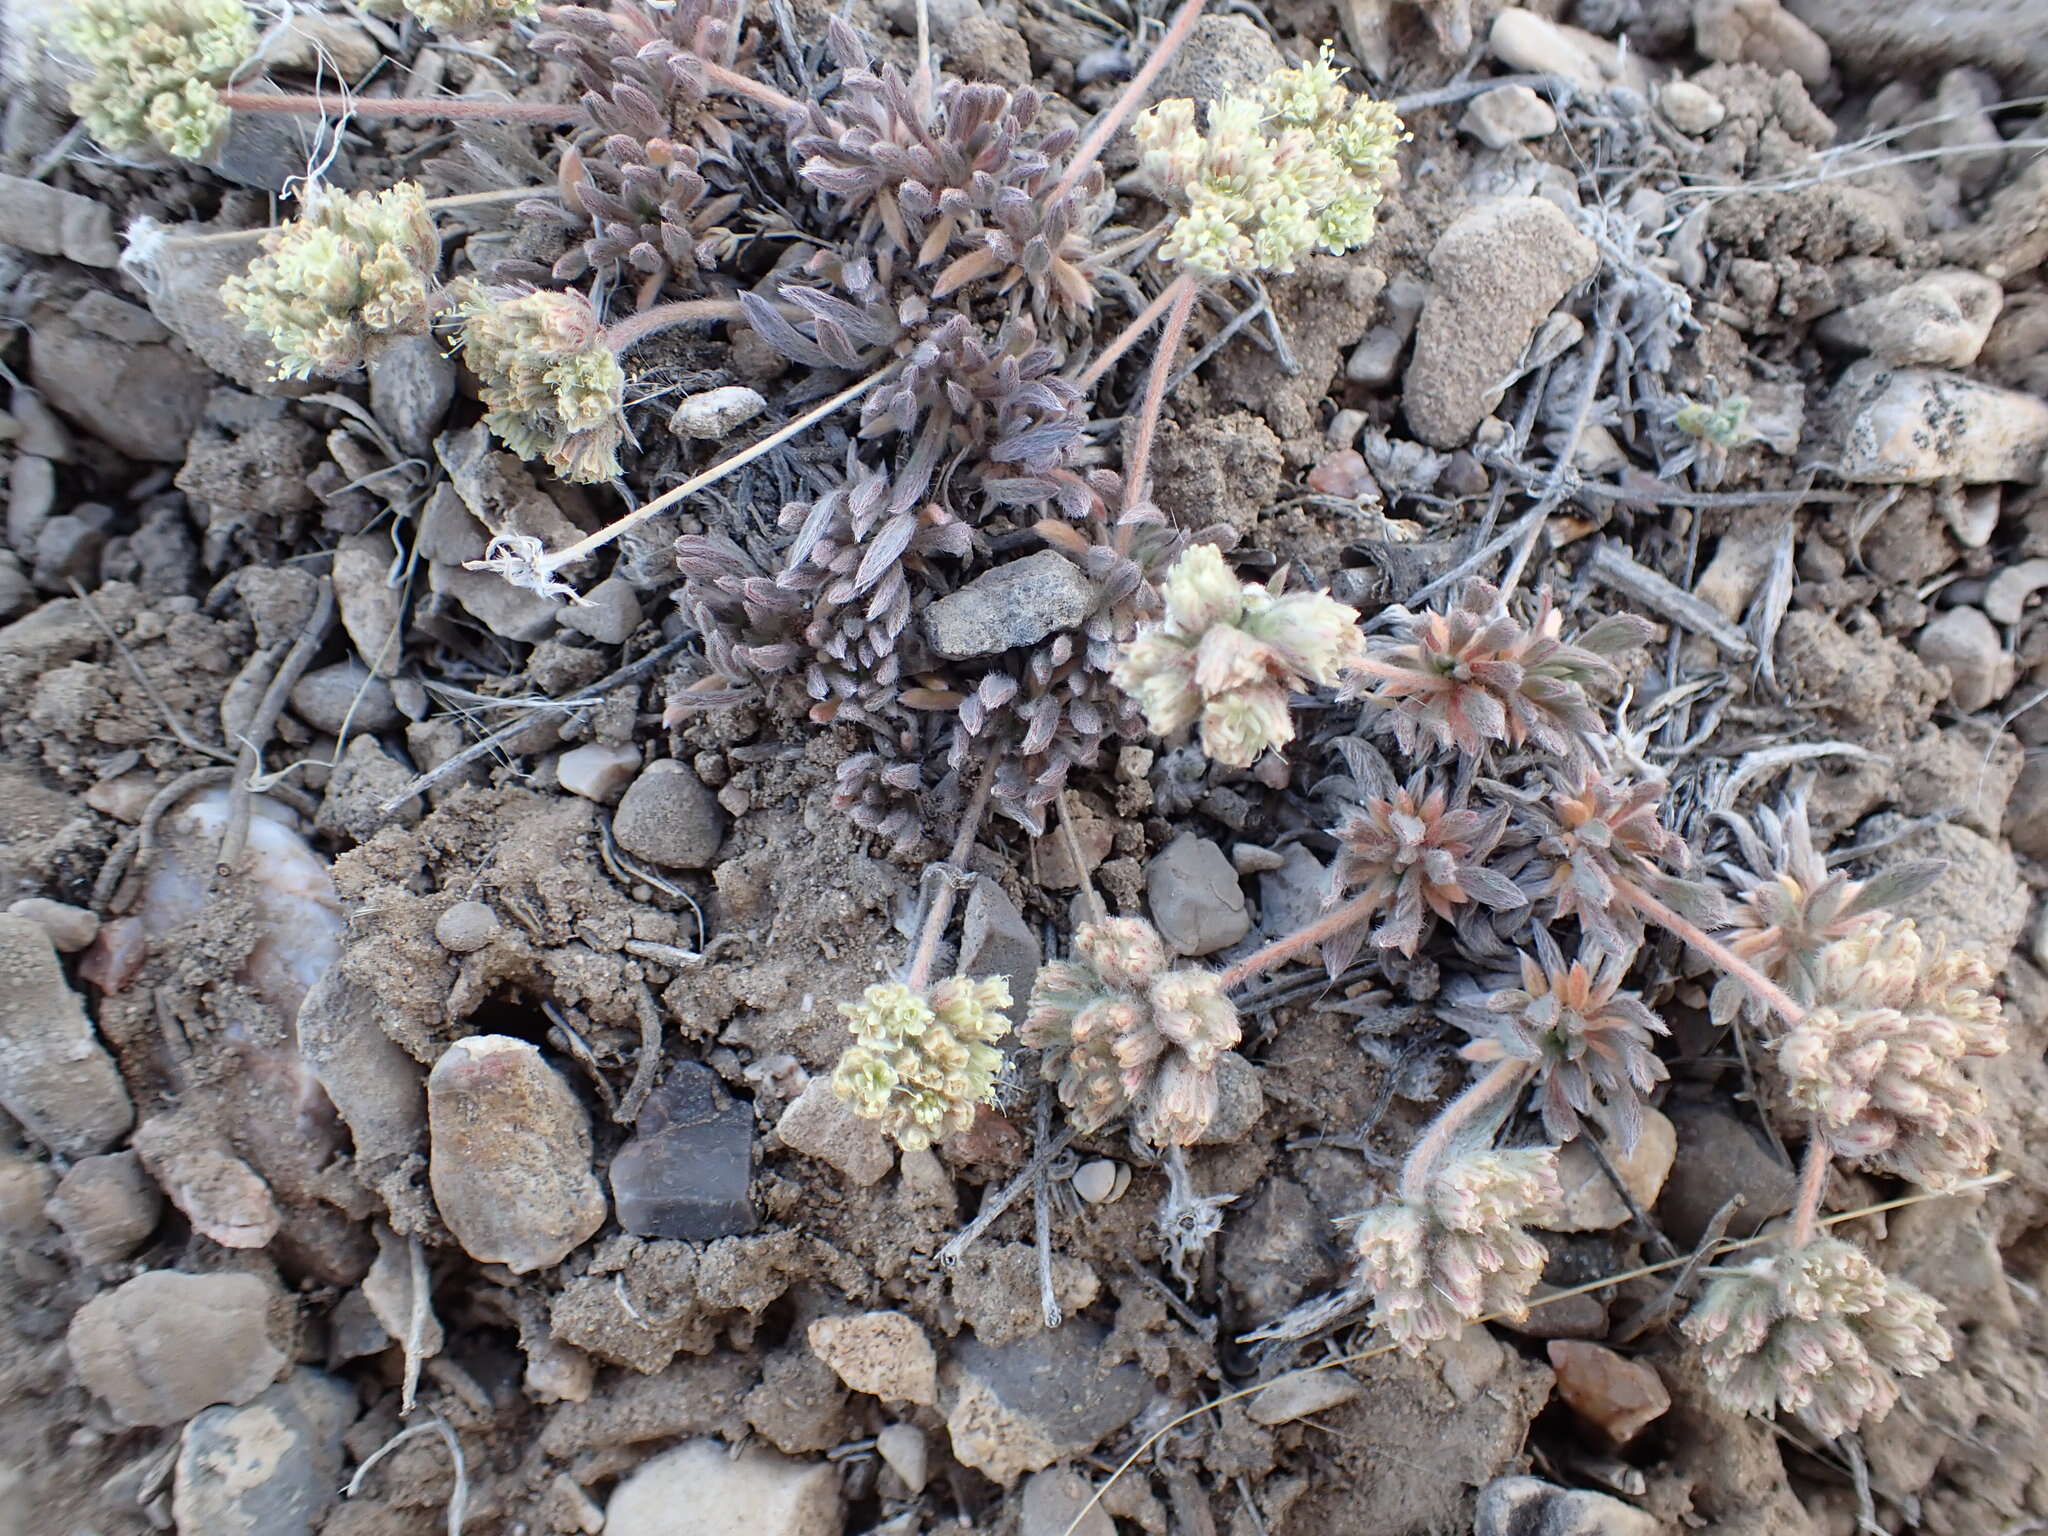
{"x":1617,"y":568}
{"x":458,"y":1497}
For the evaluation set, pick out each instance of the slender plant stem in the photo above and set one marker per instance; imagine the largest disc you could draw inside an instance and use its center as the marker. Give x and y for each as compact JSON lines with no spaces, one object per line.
{"x":1138,"y":473}
{"x":437,"y":204}
{"x":1767,"y":991}
{"x":737,"y":84}
{"x":941,"y":911}
{"x":446,"y":108}
{"x":1502,"y":1078}
{"x":1126,"y":103}
{"x":636,"y":328}
{"x":590,"y":543}
{"x":1326,"y":926}
{"x":1127,"y":338}
{"x":1096,"y":911}
{"x":1813,"y":1183}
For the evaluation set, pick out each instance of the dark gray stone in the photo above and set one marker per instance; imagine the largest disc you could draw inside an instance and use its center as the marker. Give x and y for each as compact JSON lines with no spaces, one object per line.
{"x":268,"y":1468}
{"x":1055,"y":1383}
{"x":1719,"y":1156}
{"x":1528,"y":1506}
{"x":996,"y":941}
{"x":685,"y":1174}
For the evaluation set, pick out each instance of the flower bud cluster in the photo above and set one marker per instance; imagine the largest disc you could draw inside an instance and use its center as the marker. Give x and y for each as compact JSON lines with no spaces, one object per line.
{"x":1119,"y":1032}
{"x":1818,"y":1331}
{"x":550,"y":380}
{"x":1879,"y":1058}
{"x":1460,"y":1252}
{"x":921,"y":1064}
{"x":350,"y":270}
{"x":1228,"y":653}
{"x":153,"y":68}
{"x":1296,"y":165}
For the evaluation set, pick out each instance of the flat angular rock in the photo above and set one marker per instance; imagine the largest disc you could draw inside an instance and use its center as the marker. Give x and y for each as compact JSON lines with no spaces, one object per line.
{"x":39,"y":218}
{"x":996,"y":941}
{"x":1591,"y":1203}
{"x":55,"y":1077}
{"x":1195,"y":898}
{"x":268,"y":1468}
{"x":1940,"y":319}
{"x":1912,"y":426}
{"x":222,"y":1196}
{"x":884,"y":1354}
{"x":164,"y":1345}
{"x":1047,"y":1397}
{"x":702,"y":1488}
{"x":1497,"y":272}
{"x":374,"y":1084}
{"x":820,"y":1124}
{"x":1618,"y":1396}
{"x":107,"y":1207}
{"x":686,"y":1172}
{"x":1016,"y":604}
{"x":510,"y":1163}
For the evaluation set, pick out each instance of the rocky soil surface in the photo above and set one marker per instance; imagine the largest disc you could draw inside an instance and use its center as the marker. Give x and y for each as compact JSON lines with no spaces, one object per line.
{"x":467,"y":1139}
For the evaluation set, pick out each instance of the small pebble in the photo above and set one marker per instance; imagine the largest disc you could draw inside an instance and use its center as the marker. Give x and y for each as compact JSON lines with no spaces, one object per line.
{"x":703,"y":1487}
{"x":884,"y":1354}
{"x":686,"y":1173}
{"x":106,"y":1206}
{"x":1913,"y":426}
{"x":324,"y":699}
{"x":1528,"y":1506}
{"x":268,"y":1468}
{"x":55,"y":1076}
{"x":670,"y":819}
{"x":1967,"y":643}
{"x":222,"y":1196}
{"x":511,"y":1152}
{"x":717,"y":412}
{"x":1343,"y":474}
{"x":1615,"y":1395}
{"x":1016,"y":604}
{"x":1590,"y":1201}
{"x":1100,"y":1182}
{"x":160,"y":1347}
{"x":1195,"y":898}
{"x":1053,"y":1502}
{"x":908,"y":1454}
{"x":1507,"y":115}
{"x":597,"y":770}
{"x":608,"y":614}
{"x":1298,"y":1394}
{"x":820,"y":1124}
{"x":466,"y":927}
{"x":1018,"y":1407}
{"x":70,"y":928}
{"x":1691,"y":109}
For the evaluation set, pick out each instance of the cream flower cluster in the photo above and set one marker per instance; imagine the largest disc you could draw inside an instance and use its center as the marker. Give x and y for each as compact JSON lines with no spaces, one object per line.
{"x":1296,"y":165}
{"x":351,"y":269}
{"x":153,"y":70}
{"x":1818,"y":1331}
{"x":1458,"y":1254}
{"x":1879,"y":1060}
{"x":1122,"y":1032}
{"x":920,"y":1064}
{"x":551,"y":383}
{"x":1227,"y":654}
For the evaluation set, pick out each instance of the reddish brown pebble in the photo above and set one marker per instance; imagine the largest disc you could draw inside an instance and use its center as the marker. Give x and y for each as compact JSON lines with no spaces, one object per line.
{"x":1612,"y":1393}
{"x":1343,"y":474}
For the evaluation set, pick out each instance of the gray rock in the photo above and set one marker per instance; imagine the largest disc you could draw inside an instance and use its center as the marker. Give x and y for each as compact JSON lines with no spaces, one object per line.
{"x":2005,"y":597}
{"x":142,"y":399}
{"x":376,"y":1087}
{"x":1297,"y":1394}
{"x":1591,"y":1203}
{"x":17,"y":592}
{"x":106,"y":1206}
{"x":1980,"y":670}
{"x":1720,"y":1156}
{"x":164,"y":1345}
{"x":38,"y":429}
{"x":70,"y":928}
{"x":1528,"y":1506}
{"x":268,"y":1468}
{"x":183,"y":283}
{"x":1979,"y":902}
{"x":224,"y":1198}
{"x":1507,"y":115}
{"x":716,"y":413}
{"x":996,"y":941}
{"x":2026,"y":814}
{"x":1052,"y":1505}
{"x":55,"y":1077}
{"x":597,"y":770}
{"x":712,"y":1492}
{"x":1529,"y":43}
{"x":267,"y":150}
{"x":1047,"y":1397}
{"x":345,"y":694}
{"x":1223,"y":54}
{"x":1498,"y":271}
{"x":1276,"y":1250}
{"x":608,"y":614}
{"x":905,"y":1451}
{"x":1870,"y":37}
{"x":503,"y":609}
{"x":371,"y":609}
{"x":1690,"y":108}
{"x":31,"y":498}
{"x":308,"y":41}
{"x":361,"y":783}
{"x":68,"y":549}
{"x":1240,"y":1100}
{"x":40,"y":218}
{"x":412,"y":384}
{"x":510,"y":1161}
{"x":1194,"y":897}
{"x":1376,"y":361}
{"x":466,"y":927}
{"x":1941,"y":319}
{"x":820,"y":1124}
{"x":1291,"y":896}
{"x":1760,"y":32}
{"x":1016,"y":604}
{"x":669,"y":818}
{"x":116,"y":319}
{"x":687,"y":1171}
{"x":1912,"y":426}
